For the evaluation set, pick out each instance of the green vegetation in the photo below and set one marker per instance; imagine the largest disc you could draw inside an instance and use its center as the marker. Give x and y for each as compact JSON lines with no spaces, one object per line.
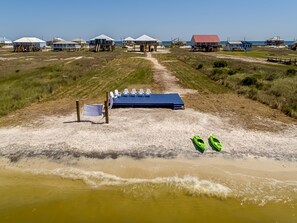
{"x":220,"y":63}
{"x":291,"y":72}
{"x":44,"y":76}
{"x":274,"y":85}
{"x":186,"y":71}
{"x":263,"y":52}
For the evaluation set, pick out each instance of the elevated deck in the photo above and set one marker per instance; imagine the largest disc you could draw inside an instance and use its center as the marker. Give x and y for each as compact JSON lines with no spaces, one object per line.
{"x":172,"y":101}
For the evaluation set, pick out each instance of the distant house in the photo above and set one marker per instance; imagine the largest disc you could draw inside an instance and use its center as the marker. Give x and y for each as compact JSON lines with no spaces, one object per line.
{"x":129,"y":41}
{"x":233,"y":46}
{"x":66,"y":46}
{"x":28,"y":44}
{"x":238,"y":46}
{"x":54,"y":40}
{"x":83,"y":43}
{"x":146,"y":43}
{"x":293,"y":46}
{"x":247,"y":46}
{"x":5,"y":43}
{"x":275,"y":41}
{"x":206,"y":43}
{"x":102,"y":43}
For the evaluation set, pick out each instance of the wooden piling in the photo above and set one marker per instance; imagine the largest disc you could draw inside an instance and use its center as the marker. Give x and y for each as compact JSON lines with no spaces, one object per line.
{"x":77,"y":111}
{"x":106,"y":109}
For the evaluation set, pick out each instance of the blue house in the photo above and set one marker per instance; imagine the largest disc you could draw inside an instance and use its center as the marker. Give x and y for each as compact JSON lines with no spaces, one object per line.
{"x":247,"y":46}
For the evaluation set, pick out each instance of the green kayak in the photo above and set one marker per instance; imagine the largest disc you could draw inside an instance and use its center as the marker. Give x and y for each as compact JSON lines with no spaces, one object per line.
{"x":199,"y":143}
{"x":215,"y":142}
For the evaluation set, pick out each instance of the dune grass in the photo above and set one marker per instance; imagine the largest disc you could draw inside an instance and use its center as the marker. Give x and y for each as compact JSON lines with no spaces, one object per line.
{"x":188,"y":76}
{"x":48,"y":76}
{"x":263,"y":52}
{"x":273,"y":85}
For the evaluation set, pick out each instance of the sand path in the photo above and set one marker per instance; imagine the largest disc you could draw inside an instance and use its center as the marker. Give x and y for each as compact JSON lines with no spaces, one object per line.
{"x":164,"y":78}
{"x":243,"y":59}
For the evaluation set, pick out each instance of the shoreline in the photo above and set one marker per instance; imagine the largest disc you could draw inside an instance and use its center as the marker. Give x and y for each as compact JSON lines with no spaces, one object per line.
{"x":248,"y":180}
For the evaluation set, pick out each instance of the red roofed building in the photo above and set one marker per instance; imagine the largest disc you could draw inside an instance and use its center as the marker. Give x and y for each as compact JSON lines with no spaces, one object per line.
{"x":206,"y":43}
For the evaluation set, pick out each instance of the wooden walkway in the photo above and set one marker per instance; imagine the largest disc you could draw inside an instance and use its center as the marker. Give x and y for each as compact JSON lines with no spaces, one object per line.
{"x":282,"y":61}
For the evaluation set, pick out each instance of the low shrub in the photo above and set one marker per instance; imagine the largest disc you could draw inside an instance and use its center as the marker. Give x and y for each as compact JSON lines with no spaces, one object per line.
{"x":232,"y":72}
{"x":199,"y":66}
{"x":248,"y":81}
{"x":291,"y":72}
{"x":270,"y":77}
{"x":220,"y":63}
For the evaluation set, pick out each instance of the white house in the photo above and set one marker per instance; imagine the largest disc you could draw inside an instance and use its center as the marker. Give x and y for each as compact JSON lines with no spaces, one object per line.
{"x":28,"y":44}
{"x":5,"y":43}
{"x":66,"y":45}
{"x":146,"y":43}
{"x":102,"y":43}
{"x":275,"y":41}
{"x":129,"y":41}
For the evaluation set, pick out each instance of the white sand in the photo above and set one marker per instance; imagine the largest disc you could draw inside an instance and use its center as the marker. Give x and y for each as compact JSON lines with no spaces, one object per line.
{"x":145,"y":132}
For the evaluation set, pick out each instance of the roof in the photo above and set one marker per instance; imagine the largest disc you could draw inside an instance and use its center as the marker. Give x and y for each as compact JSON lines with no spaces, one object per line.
{"x":66,"y":42}
{"x":4,"y":39}
{"x":205,"y":38}
{"x":129,"y":39}
{"x":145,"y":38}
{"x":29,"y":40}
{"x":58,"y":39}
{"x":234,"y":42}
{"x":276,"y":38}
{"x":102,"y":36}
{"x":79,"y":40}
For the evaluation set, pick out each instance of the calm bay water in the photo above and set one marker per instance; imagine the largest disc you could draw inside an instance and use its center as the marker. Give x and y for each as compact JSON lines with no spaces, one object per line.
{"x":127,"y":190}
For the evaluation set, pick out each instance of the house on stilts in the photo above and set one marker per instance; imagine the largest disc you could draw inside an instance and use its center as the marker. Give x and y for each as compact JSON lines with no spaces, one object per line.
{"x":206,"y":43}
{"x":102,"y":43}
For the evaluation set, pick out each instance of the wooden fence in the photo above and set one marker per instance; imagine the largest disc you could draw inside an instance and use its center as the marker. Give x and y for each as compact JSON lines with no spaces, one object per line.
{"x":282,"y":61}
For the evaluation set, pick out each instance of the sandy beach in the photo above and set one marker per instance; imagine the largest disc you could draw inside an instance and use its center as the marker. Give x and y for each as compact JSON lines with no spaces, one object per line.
{"x":144,"y":133}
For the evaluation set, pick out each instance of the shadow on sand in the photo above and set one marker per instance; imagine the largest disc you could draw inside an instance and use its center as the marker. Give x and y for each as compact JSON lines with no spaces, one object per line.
{"x":93,"y":123}
{"x":196,"y":147}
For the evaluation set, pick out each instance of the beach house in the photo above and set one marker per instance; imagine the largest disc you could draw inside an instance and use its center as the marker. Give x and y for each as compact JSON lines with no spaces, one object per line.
{"x":129,"y":41}
{"x":206,"y":43}
{"x":146,"y":43}
{"x":28,"y":44}
{"x":66,"y":46}
{"x":5,"y":43}
{"x":83,"y":43}
{"x":102,"y":43}
{"x":293,"y":46}
{"x":275,"y":41}
{"x":233,"y":46}
{"x":247,"y":46}
{"x":238,"y":46}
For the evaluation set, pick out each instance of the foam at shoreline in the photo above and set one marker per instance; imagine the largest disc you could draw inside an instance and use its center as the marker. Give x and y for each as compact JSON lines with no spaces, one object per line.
{"x":247,"y":180}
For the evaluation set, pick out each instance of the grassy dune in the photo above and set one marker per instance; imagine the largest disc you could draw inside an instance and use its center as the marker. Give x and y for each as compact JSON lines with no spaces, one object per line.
{"x":274,"y":85}
{"x":263,"y":52}
{"x":43,"y":76}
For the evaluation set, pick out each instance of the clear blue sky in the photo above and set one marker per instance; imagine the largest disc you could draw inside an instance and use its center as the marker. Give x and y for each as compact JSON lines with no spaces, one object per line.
{"x":162,"y":19}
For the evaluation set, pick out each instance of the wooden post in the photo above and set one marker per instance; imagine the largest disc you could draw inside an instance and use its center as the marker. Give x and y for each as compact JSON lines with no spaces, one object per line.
{"x":106,"y":109}
{"x":77,"y":111}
